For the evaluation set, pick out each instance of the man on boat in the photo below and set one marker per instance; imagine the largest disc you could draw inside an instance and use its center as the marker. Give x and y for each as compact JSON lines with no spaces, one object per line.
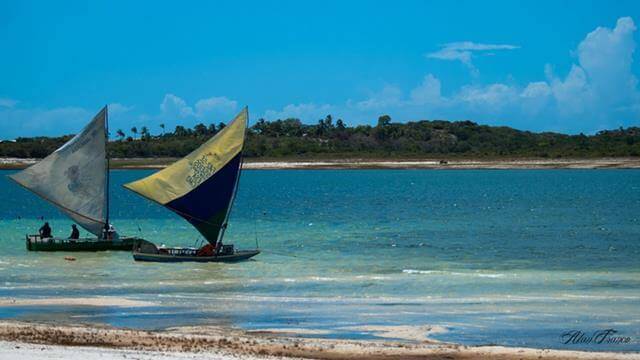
{"x":75,"y":233}
{"x":207,"y":250}
{"x":109,"y":233}
{"x":45,"y":231}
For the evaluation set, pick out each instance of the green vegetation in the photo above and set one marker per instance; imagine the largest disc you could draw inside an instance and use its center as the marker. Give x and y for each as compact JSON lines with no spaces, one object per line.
{"x":291,"y":138}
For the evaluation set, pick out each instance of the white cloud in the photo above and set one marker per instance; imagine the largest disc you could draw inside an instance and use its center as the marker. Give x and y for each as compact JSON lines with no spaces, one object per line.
{"x":7,"y":103}
{"x":15,"y":122}
{"x":307,"y":112}
{"x":464,"y":52}
{"x":535,"y":98}
{"x":117,"y":108}
{"x":389,"y":96}
{"x":573,"y":94}
{"x":174,"y":111}
{"x":536,"y":90}
{"x":606,"y":56}
{"x":492,"y":97}
{"x":215,"y":106}
{"x":596,"y":91}
{"x":175,"y":107}
{"x":429,"y":92}
{"x":599,"y":91}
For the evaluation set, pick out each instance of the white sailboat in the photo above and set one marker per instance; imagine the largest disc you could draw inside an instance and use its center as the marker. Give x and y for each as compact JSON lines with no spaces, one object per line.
{"x":75,"y":178}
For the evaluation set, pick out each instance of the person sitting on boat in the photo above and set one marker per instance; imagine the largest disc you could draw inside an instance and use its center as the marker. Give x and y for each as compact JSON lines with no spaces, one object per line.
{"x":207,"y":250}
{"x":113,"y":234}
{"x":109,"y":233}
{"x":45,"y":231}
{"x":75,"y":233}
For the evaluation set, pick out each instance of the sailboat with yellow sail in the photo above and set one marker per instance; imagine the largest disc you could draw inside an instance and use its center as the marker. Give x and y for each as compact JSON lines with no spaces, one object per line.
{"x":201,"y":188}
{"x":75,"y":178}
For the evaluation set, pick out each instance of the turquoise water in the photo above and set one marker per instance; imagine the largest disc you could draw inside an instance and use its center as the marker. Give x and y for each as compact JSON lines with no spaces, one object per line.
{"x":495,"y":257}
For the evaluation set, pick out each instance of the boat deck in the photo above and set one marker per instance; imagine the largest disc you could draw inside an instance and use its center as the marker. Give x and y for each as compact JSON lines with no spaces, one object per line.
{"x":36,"y":243}
{"x":238,"y":255}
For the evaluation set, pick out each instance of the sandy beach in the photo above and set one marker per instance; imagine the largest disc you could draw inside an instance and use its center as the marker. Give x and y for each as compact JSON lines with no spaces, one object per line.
{"x":95,"y":301}
{"x":30,"y":341}
{"x":251,"y":164}
{"x":613,"y":163}
{"x":11,"y":350}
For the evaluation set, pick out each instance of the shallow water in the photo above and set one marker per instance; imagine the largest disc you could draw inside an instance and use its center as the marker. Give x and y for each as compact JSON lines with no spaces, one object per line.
{"x":496,"y":257}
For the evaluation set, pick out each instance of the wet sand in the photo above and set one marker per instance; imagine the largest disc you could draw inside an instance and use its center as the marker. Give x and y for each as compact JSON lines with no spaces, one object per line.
{"x":88,"y":342}
{"x":94,"y":301}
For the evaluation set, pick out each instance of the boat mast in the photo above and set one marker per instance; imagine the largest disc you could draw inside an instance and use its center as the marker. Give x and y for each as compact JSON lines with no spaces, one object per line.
{"x":235,"y":187}
{"x":106,"y":151}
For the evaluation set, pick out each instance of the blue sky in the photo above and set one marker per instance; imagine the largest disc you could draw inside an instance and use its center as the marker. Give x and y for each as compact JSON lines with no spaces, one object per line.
{"x":564,"y":66}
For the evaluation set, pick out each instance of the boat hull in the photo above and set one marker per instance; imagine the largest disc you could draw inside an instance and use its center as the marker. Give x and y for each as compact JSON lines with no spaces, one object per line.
{"x":239,"y":255}
{"x":35,"y":243}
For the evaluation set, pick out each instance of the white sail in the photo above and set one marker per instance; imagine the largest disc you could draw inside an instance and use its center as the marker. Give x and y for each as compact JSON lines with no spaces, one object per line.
{"x":74,"y":177}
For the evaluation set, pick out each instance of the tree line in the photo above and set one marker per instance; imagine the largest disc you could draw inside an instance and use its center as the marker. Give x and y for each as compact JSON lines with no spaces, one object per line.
{"x":290,"y":138}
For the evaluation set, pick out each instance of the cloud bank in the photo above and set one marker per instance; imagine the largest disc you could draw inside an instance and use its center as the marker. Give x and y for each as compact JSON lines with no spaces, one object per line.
{"x":598,"y":92}
{"x":464,"y":52}
{"x":16,"y":122}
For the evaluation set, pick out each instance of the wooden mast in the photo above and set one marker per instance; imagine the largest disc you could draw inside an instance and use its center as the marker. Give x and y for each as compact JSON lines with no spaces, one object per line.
{"x":106,"y":151}
{"x":235,"y":187}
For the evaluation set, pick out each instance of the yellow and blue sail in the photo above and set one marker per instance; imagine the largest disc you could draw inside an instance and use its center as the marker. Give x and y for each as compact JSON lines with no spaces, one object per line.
{"x":201,"y":186}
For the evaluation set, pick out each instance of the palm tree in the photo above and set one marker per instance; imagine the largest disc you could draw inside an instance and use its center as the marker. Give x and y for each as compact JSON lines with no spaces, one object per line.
{"x":134,"y":130}
{"x":120,"y":134}
{"x":145,"y":133}
{"x":384,"y":120}
{"x":162,"y":127}
{"x":200,"y":129}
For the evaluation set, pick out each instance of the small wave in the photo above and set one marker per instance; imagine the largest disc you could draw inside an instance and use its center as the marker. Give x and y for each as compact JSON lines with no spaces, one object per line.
{"x":412,"y":271}
{"x":321,"y":278}
{"x":371,"y":277}
{"x":387,"y":300}
{"x":442,"y":272}
{"x":490,"y":275}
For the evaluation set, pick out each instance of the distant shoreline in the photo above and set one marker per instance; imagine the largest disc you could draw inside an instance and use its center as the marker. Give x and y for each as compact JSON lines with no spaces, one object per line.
{"x":78,"y":341}
{"x":356,"y":163}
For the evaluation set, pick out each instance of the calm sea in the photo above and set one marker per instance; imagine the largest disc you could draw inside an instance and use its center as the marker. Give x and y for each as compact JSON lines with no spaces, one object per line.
{"x":495,"y":257}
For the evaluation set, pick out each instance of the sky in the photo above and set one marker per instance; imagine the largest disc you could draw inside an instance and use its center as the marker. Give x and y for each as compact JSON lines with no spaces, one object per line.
{"x":564,"y":66}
